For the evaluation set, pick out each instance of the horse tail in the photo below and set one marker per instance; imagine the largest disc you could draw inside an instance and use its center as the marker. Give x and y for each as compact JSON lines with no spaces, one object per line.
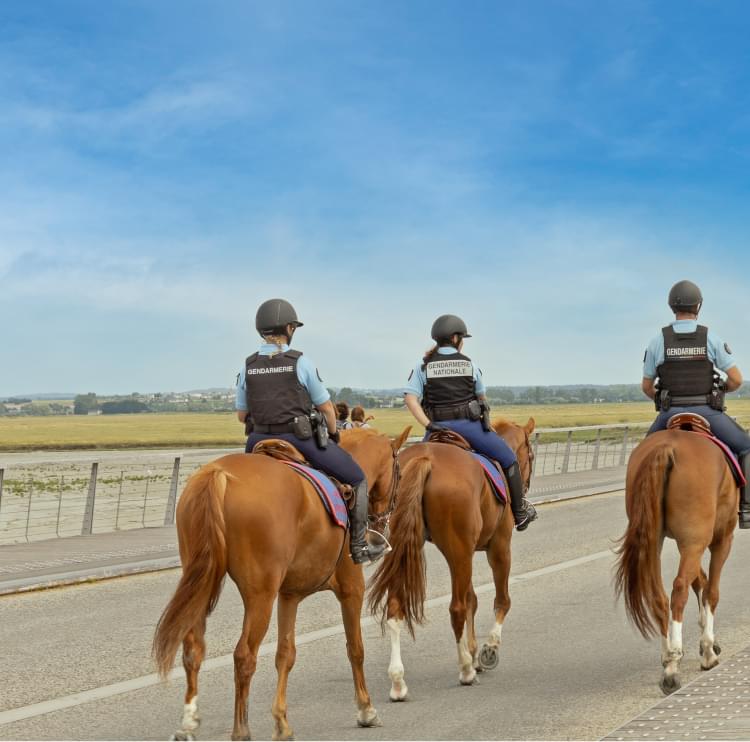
{"x":401,"y":574}
{"x":202,"y":533}
{"x":638,"y":576}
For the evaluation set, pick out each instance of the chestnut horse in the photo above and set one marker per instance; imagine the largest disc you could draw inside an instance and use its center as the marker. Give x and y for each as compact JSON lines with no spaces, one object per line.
{"x":252,"y":517}
{"x":678,"y":485}
{"x":443,"y":491}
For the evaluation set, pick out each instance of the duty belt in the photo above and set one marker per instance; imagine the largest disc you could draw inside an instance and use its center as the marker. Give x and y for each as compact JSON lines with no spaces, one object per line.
{"x":277,"y":428}
{"x":701,"y":399}
{"x":450,"y":413}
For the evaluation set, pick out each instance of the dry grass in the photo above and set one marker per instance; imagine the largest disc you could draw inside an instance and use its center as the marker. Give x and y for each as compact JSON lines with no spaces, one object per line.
{"x":175,"y":430}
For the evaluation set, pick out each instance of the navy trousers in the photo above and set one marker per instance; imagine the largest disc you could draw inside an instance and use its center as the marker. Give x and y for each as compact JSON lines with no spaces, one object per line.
{"x":332,"y":460}
{"x":723,"y":427}
{"x":486,"y":442}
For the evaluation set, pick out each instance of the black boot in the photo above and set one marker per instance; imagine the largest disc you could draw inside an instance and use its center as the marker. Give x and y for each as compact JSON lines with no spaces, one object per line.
{"x":745,"y":492}
{"x":523,"y":511}
{"x":362,"y":551}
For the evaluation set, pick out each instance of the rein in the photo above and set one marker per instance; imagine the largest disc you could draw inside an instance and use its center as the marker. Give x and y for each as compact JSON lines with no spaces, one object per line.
{"x":381,"y":521}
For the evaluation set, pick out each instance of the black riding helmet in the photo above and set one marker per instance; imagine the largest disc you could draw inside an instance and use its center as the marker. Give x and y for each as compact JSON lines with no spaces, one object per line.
{"x":274,"y":315}
{"x":685,"y":295}
{"x":446,"y":325}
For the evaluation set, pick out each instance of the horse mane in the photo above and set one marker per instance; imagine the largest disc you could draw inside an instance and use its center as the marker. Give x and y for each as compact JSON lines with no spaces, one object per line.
{"x":500,"y":424}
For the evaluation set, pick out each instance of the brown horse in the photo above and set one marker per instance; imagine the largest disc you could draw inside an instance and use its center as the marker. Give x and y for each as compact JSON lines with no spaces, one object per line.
{"x":252,"y":517}
{"x":678,"y":485}
{"x":443,"y":492}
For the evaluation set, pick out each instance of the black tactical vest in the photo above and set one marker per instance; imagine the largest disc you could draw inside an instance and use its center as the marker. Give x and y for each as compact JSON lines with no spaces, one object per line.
{"x":273,"y":392}
{"x":687,"y":370}
{"x":449,"y":383}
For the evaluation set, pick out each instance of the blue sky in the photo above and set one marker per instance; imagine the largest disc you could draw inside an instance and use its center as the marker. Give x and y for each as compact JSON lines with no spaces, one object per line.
{"x":546,"y":170}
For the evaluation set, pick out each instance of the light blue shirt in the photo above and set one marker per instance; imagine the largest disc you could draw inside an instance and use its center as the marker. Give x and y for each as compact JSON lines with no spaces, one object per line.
{"x":307,"y":374}
{"x":418,"y":377}
{"x":718,"y":351}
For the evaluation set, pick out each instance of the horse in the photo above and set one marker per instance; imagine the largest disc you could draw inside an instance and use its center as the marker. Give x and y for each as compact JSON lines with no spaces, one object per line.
{"x":678,"y":485}
{"x":252,"y":517}
{"x":443,"y":492}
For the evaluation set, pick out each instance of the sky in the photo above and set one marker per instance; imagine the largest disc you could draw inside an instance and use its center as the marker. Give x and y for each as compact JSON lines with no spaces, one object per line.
{"x":544,"y":169}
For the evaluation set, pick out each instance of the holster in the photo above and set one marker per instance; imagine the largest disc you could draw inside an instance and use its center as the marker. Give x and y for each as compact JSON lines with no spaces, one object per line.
{"x":320,"y":428}
{"x":486,"y":424}
{"x":302,"y":427}
{"x":248,"y":425}
{"x":474,"y":410}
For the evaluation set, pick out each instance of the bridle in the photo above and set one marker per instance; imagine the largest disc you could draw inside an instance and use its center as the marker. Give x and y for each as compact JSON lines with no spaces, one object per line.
{"x":380,"y":522}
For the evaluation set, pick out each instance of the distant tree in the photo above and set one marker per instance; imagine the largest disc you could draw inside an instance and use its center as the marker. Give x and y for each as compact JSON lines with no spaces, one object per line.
{"x":346,"y":395}
{"x":123,"y":407}
{"x":85,"y":403}
{"x":332,"y":393}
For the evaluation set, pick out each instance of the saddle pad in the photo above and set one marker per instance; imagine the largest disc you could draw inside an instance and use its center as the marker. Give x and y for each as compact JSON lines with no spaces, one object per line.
{"x":494,"y":477}
{"x":327,"y":491}
{"x":734,"y":465}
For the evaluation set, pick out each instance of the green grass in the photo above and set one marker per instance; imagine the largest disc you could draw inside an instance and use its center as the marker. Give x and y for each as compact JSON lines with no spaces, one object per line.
{"x":183,"y":430}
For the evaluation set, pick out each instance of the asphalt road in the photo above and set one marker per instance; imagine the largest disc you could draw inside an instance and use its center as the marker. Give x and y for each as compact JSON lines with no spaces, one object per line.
{"x":570,"y":666}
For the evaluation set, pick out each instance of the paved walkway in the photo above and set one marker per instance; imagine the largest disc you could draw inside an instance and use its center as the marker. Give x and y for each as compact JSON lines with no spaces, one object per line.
{"x":65,"y":561}
{"x":716,"y":705}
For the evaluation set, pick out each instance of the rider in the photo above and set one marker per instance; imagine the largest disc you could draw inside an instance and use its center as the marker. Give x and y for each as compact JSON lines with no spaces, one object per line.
{"x":684,"y":357}
{"x":280,"y":395}
{"x":452,"y":396}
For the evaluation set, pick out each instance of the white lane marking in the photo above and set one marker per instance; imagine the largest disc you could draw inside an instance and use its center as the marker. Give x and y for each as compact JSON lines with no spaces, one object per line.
{"x":126,"y":686}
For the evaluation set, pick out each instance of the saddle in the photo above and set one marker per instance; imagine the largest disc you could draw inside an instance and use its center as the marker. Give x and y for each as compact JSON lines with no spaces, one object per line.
{"x":491,"y":468}
{"x":335,"y":495}
{"x":694,"y":423}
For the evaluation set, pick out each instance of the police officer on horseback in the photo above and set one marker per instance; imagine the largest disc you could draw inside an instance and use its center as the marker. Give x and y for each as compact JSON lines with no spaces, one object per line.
{"x":680,"y":375}
{"x":445,"y":391}
{"x":280,"y":395}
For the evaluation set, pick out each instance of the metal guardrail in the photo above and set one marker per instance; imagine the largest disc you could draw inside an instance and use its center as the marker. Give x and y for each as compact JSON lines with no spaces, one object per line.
{"x":56,"y":500}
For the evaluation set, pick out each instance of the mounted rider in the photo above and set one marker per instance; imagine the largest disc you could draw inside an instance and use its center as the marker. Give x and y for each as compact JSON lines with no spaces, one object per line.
{"x":280,"y":395}
{"x":686,"y":358}
{"x":445,"y":391}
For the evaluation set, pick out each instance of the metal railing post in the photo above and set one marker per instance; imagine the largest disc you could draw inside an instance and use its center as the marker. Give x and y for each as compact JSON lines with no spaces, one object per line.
{"x":59,"y":506}
{"x":624,"y":451}
{"x":88,"y":515}
{"x":597,"y":446}
{"x":566,"y":457}
{"x":145,"y":500}
{"x":172,"y":500}
{"x":28,"y":510}
{"x":119,"y":498}
{"x":2,"y":476}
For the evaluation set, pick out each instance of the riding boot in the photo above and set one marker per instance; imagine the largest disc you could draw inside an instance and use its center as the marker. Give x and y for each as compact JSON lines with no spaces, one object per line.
{"x":360,"y":549}
{"x":745,"y":492}
{"x":523,"y":511}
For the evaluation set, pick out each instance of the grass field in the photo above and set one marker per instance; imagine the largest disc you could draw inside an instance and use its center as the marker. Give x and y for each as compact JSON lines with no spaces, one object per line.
{"x":179,"y":430}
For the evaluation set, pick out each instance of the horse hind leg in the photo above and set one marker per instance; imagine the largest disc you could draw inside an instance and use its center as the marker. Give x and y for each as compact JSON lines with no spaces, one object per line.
{"x":498,"y":556}
{"x":460,"y":603}
{"x":689,"y":570}
{"x":395,"y":622}
{"x":193,"y":652}
{"x":709,"y":647}
{"x":257,"y":617}
{"x":286,"y":653}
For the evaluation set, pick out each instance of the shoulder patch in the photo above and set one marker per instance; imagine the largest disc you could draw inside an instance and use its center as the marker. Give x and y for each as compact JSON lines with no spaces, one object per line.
{"x":411,"y":373}
{"x":317,"y":373}
{"x":727,"y":348}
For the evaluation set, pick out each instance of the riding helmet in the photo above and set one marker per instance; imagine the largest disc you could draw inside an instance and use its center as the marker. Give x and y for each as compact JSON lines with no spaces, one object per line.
{"x":685,"y":295}
{"x":275,"y":314}
{"x":448,"y":324}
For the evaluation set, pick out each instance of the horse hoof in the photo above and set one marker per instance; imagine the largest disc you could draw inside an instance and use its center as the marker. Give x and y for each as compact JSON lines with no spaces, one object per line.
{"x":283,"y":738}
{"x":397,"y":697}
{"x":488,"y":657}
{"x":183,"y":736}
{"x":669,"y":684}
{"x":710,"y":665}
{"x":468,"y":682}
{"x":367,"y":723}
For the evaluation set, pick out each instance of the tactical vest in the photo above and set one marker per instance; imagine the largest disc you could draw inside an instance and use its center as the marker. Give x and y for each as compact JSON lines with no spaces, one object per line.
{"x":687,"y":370}
{"x":273,"y":392}
{"x":449,"y":384}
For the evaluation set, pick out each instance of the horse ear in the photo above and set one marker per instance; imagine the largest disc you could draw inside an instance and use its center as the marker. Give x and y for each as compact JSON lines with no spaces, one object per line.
{"x":399,"y":441}
{"x":530,"y":425}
